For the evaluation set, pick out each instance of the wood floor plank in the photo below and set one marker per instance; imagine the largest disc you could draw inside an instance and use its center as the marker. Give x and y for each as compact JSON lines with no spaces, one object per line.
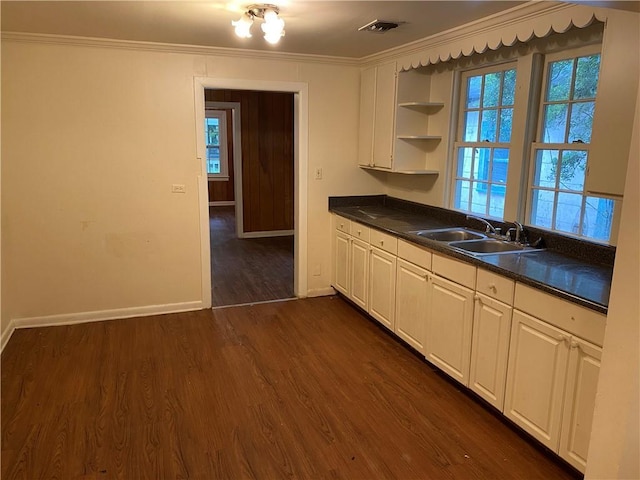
{"x":304,"y":389}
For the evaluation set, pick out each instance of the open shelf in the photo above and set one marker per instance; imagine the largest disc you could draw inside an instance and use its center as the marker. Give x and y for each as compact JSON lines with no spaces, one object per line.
{"x":425,"y":105}
{"x":401,"y":172}
{"x":419,"y":137}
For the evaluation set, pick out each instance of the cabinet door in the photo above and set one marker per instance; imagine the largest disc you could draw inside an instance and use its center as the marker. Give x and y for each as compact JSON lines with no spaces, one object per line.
{"x":536,"y":375}
{"x":449,"y":326}
{"x":341,"y":262}
{"x":384,"y":115}
{"x":382,"y":286}
{"x":367,"y":116}
{"x":412,"y":290}
{"x":359,"y":281}
{"x":579,"y":402}
{"x":490,"y":349}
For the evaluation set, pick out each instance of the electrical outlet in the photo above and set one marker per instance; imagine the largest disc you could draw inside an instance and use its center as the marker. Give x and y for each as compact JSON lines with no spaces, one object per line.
{"x":318,"y":175}
{"x":178,"y":188}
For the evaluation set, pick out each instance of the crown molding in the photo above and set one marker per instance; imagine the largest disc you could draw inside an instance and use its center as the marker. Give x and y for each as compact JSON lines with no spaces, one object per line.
{"x":70,"y":40}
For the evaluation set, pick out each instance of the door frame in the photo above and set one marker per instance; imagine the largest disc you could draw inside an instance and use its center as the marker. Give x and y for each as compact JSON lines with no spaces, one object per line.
{"x":300,"y":162}
{"x":236,"y":135}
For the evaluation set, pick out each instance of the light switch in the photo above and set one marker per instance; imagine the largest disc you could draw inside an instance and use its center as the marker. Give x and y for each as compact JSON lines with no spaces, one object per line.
{"x":318,"y":175}
{"x":178,"y":188}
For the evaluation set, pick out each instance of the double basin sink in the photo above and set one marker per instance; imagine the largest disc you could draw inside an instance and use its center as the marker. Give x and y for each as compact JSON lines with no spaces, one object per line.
{"x":472,"y":242}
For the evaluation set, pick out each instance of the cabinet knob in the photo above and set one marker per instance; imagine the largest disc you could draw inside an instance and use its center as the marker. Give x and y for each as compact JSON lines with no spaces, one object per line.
{"x":359,"y":232}
{"x":564,"y":338}
{"x":381,"y":242}
{"x":575,"y":344}
{"x":341,"y":225}
{"x":492,"y":287}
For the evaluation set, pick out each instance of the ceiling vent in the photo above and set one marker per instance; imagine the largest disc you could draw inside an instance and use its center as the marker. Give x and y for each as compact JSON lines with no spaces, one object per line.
{"x":378,"y":26}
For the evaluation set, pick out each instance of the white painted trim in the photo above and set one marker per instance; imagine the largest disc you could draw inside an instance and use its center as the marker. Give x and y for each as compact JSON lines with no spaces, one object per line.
{"x":237,"y":53}
{"x":269,"y":233}
{"x":250,"y":304}
{"x":222,"y":203}
{"x":321,"y":292}
{"x":301,"y":167}
{"x":101,"y":315}
{"x":6,"y":335}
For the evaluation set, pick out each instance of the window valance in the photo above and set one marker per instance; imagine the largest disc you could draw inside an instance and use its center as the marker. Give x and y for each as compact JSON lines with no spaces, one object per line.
{"x":520,"y":24}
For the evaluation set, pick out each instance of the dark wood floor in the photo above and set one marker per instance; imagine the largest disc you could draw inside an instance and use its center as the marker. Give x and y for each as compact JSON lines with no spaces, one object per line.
{"x":304,"y":389}
{"x":250,"y":269}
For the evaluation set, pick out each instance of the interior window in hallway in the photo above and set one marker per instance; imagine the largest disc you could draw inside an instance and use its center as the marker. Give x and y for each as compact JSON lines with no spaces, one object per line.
{"x":247,"y":270}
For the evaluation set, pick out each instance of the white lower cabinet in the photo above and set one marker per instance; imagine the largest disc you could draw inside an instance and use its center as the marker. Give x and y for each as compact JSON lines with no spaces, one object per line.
{"x":449,"y":327}
{"x":359,"y":281}
{"x":579,"y":402}
{"x":382,"y":286}
{"x":412,"y":290}
{"x":490,"y":349}
{"x":341,"y":262}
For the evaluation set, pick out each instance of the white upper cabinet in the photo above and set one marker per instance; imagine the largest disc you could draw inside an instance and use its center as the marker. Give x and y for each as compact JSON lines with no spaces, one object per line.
{"x":615,"y":105}
{"x":377,"y":110}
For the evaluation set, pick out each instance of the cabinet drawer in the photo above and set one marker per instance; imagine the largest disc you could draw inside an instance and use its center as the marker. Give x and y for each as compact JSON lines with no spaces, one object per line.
{"x":459,"y":272}
{"x":384,"y":241}
{"x":342,"y":224}
{"x":414,"y":254}
{"x":360,"y":231}
{"x":568,"y":316}
{"x":495,"y":286}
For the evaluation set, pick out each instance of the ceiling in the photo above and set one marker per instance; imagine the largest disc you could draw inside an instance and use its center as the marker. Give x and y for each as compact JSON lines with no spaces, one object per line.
{"x":312,"y":26}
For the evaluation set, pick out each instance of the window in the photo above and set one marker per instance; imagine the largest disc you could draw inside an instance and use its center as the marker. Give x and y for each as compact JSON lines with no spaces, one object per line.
{"x":215,"y":125}
{"x":557,"y":199}
{"x":484,"y":136}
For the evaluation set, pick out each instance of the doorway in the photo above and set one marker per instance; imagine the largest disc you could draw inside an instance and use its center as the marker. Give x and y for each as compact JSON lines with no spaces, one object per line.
{"x":251,"y":195}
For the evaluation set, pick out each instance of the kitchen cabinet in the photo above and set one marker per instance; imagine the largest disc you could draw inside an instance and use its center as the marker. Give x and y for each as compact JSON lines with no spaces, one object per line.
{"x":490,"y":349}
{"x":449,"y":327}
{"x":552,"y":373}
{"x":359,"y":280}
{"x":377,"y":110}
{"x":382,"y":277}
{"x":341,"y":262}
{"x":491,"y":333}
{"x":350,"y":274}
{"x":412,"y":287}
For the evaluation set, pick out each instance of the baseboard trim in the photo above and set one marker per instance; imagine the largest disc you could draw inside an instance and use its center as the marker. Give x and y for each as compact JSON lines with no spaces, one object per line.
{"x":268,"y":233}
{"x":6,"y":335}
{"x":222,"y":203}
{"x":101,"y":315}
{"x":321,"y":292}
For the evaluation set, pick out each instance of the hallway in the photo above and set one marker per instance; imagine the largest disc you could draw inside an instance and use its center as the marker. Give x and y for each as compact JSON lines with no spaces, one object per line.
{"x":247,"y":270}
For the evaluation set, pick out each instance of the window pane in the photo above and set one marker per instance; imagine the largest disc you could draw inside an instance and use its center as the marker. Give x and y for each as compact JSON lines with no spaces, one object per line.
{"x":581,"y":121}
{"x":555,"y":123}
{"x":568,"y":212}
{"x":598,"y":216}
{"x":481,"y":167}
{"x":587,"y":73}
{"x":488,"y":126}
{"x":559,"y":82}
{"x":542,"y":208}
{"x":479,"y":198}
{"x":465,"y":162}
{"x":545,"y":172}
{"x":506,"y":116}
{"x":474,"y":87}
{"x":213,"y":159}
{"x":496,"y":201}
{"x":471,"y":126}
{"x":500,"y":165}
{"x":461,"y":198}
{"x":509,"y":87}
{"x":572,"y":170}
{"x":491,"y":89}
{"x":212,"y":131}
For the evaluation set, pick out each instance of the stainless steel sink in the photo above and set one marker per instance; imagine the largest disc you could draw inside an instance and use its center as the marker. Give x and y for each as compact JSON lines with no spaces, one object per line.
{"x":449,"y":234}
{"x":491,"y":246}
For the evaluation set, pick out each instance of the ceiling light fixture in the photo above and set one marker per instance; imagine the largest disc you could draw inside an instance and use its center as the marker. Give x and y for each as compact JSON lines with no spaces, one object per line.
{"x":273,"y":26}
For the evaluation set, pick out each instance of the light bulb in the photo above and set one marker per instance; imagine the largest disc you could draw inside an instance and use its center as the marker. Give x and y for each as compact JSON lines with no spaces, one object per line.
{"x":243,"y":26}
{"x":273,"y":27}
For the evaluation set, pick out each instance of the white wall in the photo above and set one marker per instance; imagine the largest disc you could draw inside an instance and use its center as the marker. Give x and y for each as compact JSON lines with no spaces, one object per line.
{"x":93,"y":139}
{"x":615,"y":437}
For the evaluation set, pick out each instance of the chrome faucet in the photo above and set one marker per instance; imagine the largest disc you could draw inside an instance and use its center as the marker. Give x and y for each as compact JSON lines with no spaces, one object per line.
{"x":519,"y":232}
{"x":490,"y":228}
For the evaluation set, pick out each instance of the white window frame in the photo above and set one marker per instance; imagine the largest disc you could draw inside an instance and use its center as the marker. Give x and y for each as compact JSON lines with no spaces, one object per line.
{"x":459,"y":143}
{"x":221,"y":115}
{"x":539,"y":145}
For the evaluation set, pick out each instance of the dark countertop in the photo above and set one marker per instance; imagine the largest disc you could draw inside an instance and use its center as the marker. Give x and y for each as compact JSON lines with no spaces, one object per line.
{"x":574,"y":270}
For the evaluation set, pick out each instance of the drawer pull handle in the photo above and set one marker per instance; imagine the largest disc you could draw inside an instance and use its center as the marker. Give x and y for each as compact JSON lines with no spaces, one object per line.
{"x":381,"y":242}
{"x":359,"y":232}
